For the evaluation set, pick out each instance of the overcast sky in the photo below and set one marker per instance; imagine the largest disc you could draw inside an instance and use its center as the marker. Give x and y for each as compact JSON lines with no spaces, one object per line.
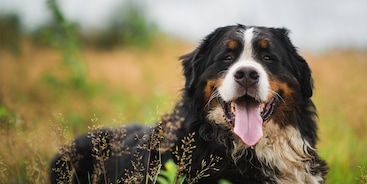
{"x":314,"y":24}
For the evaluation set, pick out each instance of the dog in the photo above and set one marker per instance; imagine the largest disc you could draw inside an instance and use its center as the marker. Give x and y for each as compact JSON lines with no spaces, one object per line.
{"x":245,"y":116}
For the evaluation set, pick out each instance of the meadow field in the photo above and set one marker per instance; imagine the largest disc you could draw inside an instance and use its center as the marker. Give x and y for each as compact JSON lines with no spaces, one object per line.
{"x":43,"y":107}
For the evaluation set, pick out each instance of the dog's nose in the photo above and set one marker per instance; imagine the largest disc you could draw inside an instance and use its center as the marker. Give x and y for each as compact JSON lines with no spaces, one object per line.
{"x":246,"y":76}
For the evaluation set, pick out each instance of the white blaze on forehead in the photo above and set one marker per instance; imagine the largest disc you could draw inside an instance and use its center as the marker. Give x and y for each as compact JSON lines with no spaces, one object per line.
{"x":247,"y":50}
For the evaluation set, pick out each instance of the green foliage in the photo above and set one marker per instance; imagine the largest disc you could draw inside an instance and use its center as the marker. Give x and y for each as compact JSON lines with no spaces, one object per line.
{"x":170,"y":174}
{"x":6,"y":116}
{"x":134,"y":29}
{"x":224,"y":181}
{"x":66,"y":39}
{"x":4,"y":113}
{"x":47,"y":35}
{"x":128,"y":28}
{"x":10,"y":32}
{"x":63,"y":34}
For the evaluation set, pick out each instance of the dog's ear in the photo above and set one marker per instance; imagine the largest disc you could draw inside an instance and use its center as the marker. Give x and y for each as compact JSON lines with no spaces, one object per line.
{"x":298,"y":66}
{"x":194,"y":62}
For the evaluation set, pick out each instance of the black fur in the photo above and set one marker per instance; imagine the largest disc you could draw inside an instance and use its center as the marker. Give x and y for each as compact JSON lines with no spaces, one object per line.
{"x":164,"y":141}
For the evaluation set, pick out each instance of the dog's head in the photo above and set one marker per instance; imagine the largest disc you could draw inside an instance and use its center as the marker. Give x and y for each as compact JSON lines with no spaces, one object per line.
{"x":242,"y":77}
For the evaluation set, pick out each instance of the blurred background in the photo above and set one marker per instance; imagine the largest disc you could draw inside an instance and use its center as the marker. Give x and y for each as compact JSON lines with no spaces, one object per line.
{"x":68,"y":65}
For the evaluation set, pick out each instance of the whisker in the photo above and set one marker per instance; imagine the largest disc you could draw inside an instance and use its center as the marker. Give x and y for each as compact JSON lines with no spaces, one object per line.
{"x":277,"y":94}
{"x":223,"y":72}
{"x":213,"y":96}
{"x":215,"y":93}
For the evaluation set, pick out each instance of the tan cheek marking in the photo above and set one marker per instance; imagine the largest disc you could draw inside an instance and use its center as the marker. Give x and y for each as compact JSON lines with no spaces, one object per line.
{"x":276,"y":86}
{"x":287,"y":101}
{"x":210,"y":85}
{"x":232,"y":44}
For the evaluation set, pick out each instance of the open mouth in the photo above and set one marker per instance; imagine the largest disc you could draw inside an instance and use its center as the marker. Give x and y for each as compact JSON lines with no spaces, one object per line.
{"x":247,"y":115}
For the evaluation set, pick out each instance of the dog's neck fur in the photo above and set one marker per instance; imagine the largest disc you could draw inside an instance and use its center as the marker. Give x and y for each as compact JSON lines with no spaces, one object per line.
{"x":282,"y":148}
{"x":285,"y":151}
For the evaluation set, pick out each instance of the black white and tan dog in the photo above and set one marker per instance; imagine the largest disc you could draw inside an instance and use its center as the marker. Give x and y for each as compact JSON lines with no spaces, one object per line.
{"x":245,"y":115}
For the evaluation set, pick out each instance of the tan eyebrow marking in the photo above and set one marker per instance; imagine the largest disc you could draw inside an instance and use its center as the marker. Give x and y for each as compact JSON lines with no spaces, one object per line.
{"x":263,"y":43}
{"x":232,"y":44}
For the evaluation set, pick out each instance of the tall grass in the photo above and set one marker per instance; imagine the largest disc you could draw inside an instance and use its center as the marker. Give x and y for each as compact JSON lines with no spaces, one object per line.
{"x":40,"y":109}
{"x":339,"y":90}
{"x":34,"y":132}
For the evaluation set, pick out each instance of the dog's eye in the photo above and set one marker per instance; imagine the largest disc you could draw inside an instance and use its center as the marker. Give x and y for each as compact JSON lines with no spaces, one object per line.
{"x":228,"y":58}
{"x":267,"y":58}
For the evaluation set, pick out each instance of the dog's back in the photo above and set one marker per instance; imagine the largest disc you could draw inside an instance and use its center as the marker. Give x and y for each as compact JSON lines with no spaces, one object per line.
{"x":100,"y":156}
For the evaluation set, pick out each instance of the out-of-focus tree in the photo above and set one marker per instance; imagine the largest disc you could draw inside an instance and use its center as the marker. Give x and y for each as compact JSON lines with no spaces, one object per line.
{"x":10,"y":32}
{"x":128,"y":27}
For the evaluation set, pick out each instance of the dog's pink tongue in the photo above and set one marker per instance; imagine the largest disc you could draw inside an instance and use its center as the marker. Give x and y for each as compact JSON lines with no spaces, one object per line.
{"x":248,"y":123}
